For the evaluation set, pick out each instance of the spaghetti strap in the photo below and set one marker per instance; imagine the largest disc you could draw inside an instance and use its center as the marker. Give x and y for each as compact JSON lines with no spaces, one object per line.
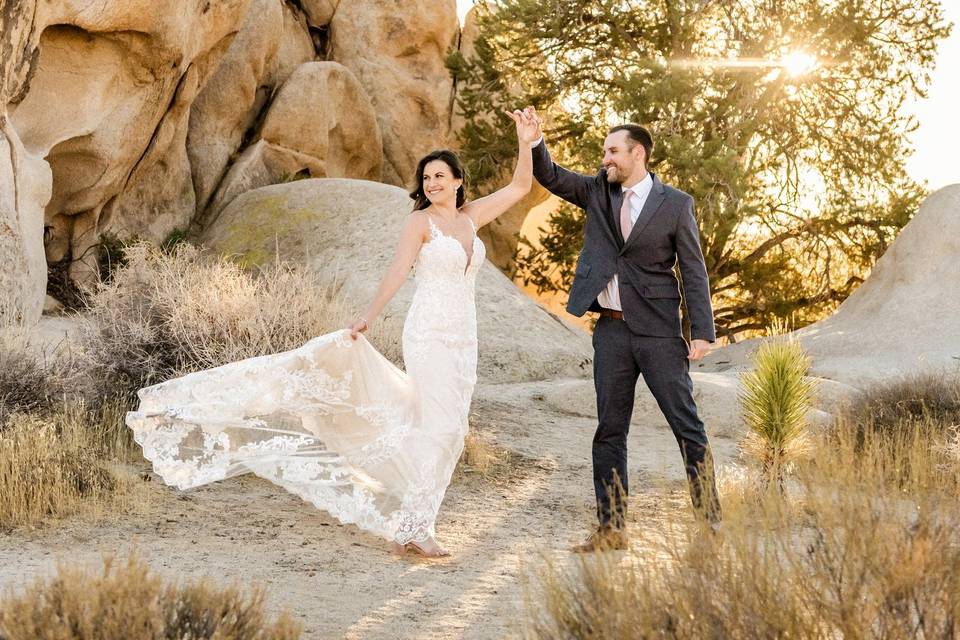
{"x":434,"y":229}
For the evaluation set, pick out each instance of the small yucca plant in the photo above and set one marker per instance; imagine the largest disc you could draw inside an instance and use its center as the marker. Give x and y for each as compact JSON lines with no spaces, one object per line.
{"x":775,"y":398}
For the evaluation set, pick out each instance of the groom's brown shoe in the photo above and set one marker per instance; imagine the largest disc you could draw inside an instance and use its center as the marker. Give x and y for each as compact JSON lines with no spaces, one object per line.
{"x":604,"y":539}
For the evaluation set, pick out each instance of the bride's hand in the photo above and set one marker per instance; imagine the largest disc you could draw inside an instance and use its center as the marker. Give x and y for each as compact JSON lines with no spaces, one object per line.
{"x":357,"y":327}
{"x":528,"y":128}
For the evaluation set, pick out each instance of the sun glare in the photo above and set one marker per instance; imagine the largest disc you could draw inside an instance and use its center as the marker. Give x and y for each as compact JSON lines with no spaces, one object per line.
{"x":798,"y":63}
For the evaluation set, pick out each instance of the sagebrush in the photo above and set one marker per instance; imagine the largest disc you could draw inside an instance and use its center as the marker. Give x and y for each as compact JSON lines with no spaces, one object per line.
{"x":126,"y":601}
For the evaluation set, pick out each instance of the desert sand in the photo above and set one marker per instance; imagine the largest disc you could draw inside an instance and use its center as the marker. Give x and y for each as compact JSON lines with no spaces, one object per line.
{"x":341,"y":582}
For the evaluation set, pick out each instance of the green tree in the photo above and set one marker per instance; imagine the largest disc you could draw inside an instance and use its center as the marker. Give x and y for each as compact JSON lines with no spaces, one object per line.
{"x":783,"y":118}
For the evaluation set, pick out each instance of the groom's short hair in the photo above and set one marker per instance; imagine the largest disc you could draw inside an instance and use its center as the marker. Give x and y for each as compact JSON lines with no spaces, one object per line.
{"x":637,"y":135}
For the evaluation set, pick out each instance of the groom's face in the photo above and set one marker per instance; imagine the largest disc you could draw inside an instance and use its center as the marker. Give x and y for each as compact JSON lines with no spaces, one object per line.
{"x":619,"y":159}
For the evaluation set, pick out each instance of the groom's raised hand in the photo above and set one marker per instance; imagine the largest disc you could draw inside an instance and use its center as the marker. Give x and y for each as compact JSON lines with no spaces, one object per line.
{"x":697,"y":349}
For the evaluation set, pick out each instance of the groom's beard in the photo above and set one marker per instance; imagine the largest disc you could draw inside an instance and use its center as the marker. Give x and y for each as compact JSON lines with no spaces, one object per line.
{"x":617,"y":176}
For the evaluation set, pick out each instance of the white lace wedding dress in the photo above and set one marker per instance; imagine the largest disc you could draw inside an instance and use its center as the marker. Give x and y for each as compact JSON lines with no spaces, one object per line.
{"x":333,"y":421}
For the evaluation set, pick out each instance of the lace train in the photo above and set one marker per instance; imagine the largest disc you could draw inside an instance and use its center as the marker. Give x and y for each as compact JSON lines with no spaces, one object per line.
{"x":333,"y":421}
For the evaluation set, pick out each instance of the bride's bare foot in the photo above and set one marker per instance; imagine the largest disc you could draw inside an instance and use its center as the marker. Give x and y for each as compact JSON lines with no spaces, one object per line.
{"x":427,"y":548}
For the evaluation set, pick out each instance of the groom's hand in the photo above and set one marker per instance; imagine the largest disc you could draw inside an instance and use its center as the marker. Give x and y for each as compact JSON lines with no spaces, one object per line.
{"x":698,"y":348}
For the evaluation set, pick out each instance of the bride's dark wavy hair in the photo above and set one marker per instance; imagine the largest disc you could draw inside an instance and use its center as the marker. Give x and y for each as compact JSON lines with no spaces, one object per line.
{"x":451,"y":159}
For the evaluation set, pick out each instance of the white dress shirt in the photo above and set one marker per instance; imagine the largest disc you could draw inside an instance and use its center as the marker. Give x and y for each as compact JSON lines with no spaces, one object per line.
{"x":609,"y":298}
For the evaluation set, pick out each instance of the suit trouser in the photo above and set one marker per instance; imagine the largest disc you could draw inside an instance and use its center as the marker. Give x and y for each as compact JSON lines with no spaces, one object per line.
{"x":620,"y":358}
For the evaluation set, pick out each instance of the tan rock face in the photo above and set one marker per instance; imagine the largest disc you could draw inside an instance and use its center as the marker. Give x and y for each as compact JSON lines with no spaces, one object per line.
{"x":230,"y":101}
{"x":319,"y":12}
{"x":24,"y":179}
{"x":296,"y":47}
{"x":98,"y":100}
{"x":138,"y":117}
{"x":346,"y":230}
{"x":403,"y":72}
{"x":320,"y":123}
{"x":24,"y":188}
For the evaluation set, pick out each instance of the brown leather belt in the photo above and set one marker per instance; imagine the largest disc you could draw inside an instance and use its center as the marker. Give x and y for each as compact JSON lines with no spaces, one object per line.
{"x":610,"y":313}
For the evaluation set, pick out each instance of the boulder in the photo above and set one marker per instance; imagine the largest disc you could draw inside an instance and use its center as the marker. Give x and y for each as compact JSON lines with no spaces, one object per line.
{"x":158,"y":196}
{"x":903,"y":319}
{"x":397,"y":49}
{"x":24,"y":177}
{"x":319,"y":12}
{"x":346,"y":231}
{"x":24,"y":191}
{"x":105,"y":78}
{"x":321,"y":122}
{"x":296,"y":45}
{"x":232,"y":98}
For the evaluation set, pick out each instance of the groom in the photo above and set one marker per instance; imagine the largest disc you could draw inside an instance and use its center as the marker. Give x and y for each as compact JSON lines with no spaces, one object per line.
{"x":636,"y":230}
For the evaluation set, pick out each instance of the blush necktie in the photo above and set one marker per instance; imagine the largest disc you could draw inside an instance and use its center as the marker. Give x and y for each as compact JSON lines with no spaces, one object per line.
{"x":626,"y":220}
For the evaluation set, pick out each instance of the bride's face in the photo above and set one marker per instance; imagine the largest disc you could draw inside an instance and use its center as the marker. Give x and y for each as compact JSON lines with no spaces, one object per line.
{"x":439,"y":183}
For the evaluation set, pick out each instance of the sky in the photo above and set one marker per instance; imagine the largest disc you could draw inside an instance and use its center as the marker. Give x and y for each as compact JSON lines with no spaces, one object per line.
{"x":937,"y":140}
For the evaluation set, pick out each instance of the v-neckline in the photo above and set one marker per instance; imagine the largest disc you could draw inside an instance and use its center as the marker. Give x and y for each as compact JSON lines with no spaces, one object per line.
{"x":473,"y":241}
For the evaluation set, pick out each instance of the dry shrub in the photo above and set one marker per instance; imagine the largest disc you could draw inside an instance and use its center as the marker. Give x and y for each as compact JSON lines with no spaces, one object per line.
{"x":29,"y":379}
{"x":126,"y":602}
{"x":165,"y":314}
{"x":933,"y":396}
{"x":55,"y":465}
{"x":866,"y":546}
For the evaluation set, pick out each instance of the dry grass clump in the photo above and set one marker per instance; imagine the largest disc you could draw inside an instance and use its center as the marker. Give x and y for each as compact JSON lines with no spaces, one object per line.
{"x":484,"y":460}
{"x":478,"y":454}
{"x":29,"y":380}
{"x":922,"y":396}
{"x":164,"y":314}
{"x":865,"y":547}
{"x":126,"y":602}
{"x":56,"y":464}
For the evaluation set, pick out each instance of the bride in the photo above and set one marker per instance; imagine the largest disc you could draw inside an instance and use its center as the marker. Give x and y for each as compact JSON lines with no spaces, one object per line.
{"x":335,"y":422}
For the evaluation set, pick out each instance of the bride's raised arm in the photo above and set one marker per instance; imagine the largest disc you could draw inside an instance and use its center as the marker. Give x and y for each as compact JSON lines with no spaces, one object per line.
{"x":411,"y":239}
{"x":484,"y":210}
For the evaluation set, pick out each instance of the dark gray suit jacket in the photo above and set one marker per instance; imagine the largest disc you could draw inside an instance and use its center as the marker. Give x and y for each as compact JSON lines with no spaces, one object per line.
{"x":665,"y":232}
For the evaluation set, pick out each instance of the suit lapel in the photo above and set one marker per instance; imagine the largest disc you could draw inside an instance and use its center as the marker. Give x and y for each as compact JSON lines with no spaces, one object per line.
{"x":654,"y":200}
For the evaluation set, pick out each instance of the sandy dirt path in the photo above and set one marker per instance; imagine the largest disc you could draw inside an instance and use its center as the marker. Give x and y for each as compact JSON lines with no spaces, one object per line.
{"x":341,"y":582}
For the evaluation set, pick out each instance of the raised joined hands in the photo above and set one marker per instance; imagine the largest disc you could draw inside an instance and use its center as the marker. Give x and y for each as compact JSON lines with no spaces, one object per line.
{"x":528,"y":124}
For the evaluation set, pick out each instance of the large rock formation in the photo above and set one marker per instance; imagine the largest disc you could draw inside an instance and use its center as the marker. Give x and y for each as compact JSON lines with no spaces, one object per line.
{"x":320,"y":122}
{"x":346,"y":230}
{"x":85,"y":88}
{"x":24,"y":180}
{"x":24,"y":187}
{"x":106,"y":97}
{"x":904,"y":318}
{"x":404,"y":72}
{"x":133,"y":118}
{"x":229,"y":103}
